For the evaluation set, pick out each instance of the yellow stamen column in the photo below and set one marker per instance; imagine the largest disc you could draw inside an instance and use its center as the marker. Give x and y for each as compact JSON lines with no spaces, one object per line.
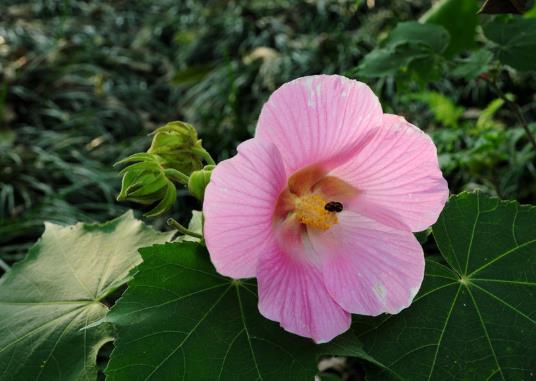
{"x":310,"y":210}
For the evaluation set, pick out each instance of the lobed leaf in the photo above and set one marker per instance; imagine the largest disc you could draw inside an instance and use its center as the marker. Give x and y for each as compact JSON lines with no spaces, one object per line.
{"x":516,"y":41}
{"x":475,"y":316}
{"x":180,"y":320}
{"x":47,"y":299}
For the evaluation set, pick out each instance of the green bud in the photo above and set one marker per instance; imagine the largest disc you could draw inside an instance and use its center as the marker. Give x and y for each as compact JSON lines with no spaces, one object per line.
{"x":178,"y":145}
{"x":199,"y":181}
{"x":146,"y":182}
{"x":174,"y":155}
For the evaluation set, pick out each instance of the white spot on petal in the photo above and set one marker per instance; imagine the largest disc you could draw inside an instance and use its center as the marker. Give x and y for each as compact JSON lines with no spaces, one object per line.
{"x":308,"y":83}
{"x":380,"y":291}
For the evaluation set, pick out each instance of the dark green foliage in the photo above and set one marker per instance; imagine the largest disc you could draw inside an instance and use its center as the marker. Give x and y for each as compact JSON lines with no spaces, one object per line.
{"x":236,"y":53}
{"x":459,"y":18}
{"x":82,"y":87}
{"x":472,"y":66}
{"x":408,"y":43}
{"x":515,"y":41}
{"x":81,"y":94}
{"x":180,"y":320}
{"x":201,"y":315}
{"x":474,"y":317}
{"x":83,"y":83}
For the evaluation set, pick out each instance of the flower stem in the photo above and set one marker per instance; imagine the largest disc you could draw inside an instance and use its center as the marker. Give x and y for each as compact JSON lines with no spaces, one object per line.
{"x":176,"y":175}
{"x":204,"y":154}
{"x":182,"y":229}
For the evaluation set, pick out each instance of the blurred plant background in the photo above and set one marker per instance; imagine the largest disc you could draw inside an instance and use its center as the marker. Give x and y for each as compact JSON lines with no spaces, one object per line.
{"x":83,"y":82}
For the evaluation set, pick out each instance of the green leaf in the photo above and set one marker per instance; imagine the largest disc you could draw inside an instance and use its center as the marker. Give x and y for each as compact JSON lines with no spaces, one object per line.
{"x":434,"y":37}
{"x":516,"y":41}
{"x":475,"y":316}
{"x":426,"y":69}
{"x":444,"y":109}
{"x":485,"y":119}
{"x":388,"y":61}
{"x":459,"y":17}
{"x":47,"y":299}
{"x":180,"y":320}
{"x":408,"y":42}
{"x":472,"y":66}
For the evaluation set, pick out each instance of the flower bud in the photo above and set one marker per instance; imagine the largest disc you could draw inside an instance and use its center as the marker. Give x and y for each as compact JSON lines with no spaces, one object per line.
{"x":147,"y":182}
{"x":177,"y":145}
{"x":199,"y":180}
{"x":174,"y":155}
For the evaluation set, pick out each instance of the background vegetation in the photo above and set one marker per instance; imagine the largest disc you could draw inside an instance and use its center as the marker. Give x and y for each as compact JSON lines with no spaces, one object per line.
{"x":83,"y":82}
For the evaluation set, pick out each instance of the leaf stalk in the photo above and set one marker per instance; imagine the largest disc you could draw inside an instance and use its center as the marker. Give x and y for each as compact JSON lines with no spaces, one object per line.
{"x":182,"y":229}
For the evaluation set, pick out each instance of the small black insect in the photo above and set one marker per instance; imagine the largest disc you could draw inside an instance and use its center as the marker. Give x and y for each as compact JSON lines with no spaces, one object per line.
{"x":333,"y":206}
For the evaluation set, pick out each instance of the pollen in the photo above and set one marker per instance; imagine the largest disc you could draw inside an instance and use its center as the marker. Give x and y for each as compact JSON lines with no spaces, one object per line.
{"x":310,"y":210}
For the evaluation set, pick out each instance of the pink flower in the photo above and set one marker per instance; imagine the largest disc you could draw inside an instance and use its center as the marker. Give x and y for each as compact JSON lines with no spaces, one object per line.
{"x":321,"y":204}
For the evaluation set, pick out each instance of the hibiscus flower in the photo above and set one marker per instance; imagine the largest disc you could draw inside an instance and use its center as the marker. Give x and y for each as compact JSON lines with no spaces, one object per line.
{"x":321,"y":205}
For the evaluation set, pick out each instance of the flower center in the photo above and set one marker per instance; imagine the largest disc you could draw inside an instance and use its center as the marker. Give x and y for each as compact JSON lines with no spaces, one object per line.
{"x":311,"y":210}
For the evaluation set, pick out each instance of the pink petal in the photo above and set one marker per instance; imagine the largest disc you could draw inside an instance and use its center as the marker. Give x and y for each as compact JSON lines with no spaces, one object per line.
{"x":239,"y":205}
{"x":397,"y":177}
{"x":369,"y":268}
{"x":312,"y":119}
{"x":292,"y":292}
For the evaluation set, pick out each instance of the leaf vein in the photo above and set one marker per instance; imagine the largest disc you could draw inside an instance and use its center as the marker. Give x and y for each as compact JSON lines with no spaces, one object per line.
{"x":443,"y":332}
{"x":505,"y":303}
{"x":189,"y":334}
{"x":486,"y":334}
{"x":513,"y":250}
{"x":247,"y":333}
